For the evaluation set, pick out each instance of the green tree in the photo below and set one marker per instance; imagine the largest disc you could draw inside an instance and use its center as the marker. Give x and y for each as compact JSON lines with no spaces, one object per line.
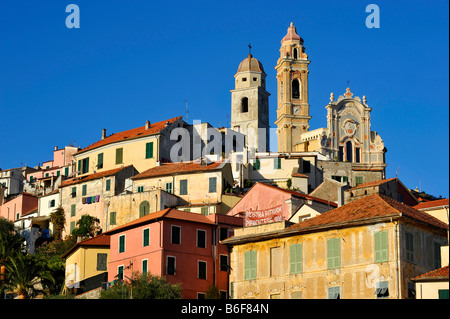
{"x":147,"y":286}
{"x":58,"y":219}
{"x":24,"y":274}
{"x":88,"y":226}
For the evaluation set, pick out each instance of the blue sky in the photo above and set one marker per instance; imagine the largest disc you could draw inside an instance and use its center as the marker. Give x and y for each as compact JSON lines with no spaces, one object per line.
{"x":136,"y":60}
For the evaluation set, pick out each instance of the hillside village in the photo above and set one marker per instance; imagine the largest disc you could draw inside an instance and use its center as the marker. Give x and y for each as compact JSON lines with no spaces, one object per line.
{"x":213,"y":207}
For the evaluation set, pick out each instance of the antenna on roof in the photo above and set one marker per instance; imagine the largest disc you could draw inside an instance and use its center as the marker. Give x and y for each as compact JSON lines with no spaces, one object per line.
{"x":187,"y":111}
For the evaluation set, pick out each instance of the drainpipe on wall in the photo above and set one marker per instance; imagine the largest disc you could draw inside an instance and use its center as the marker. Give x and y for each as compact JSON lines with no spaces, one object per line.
{"x":397,"y":256}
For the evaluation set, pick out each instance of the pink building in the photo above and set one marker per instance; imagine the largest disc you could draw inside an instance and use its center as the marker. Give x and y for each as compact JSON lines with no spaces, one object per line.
{"x":14,"y":208}
{"x":184,"y":247}
{"x":264,"y":203}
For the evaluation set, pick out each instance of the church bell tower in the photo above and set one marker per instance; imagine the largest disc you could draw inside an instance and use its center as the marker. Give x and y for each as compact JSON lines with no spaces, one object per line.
{"x":292,"y":82}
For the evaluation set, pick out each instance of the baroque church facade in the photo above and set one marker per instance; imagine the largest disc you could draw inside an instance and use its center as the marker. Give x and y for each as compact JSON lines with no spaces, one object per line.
{"x":347,"y":148}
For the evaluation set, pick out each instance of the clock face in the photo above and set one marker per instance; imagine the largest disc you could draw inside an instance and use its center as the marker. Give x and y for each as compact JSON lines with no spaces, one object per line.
{"x":296,"y":109}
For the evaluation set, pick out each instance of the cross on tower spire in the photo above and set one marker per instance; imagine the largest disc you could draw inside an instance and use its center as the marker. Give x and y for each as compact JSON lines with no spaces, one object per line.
{"x":249,"y":48}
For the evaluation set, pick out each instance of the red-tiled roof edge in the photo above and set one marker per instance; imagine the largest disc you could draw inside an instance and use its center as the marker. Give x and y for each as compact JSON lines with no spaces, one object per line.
{"x":437,"y":274}
{"x":99,"y":240}
{"x":140,"y":221}
{"x":210,"y":167}
{"x":91,"y":147}
{"x":93,"y":176}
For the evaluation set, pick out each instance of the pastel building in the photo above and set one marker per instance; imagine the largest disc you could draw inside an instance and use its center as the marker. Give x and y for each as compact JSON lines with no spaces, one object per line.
{"x":184,"y":247}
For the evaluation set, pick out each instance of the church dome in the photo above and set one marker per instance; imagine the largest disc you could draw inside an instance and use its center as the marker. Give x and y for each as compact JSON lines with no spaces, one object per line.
{"x":250,"y":64}
{"x":292,"y":35}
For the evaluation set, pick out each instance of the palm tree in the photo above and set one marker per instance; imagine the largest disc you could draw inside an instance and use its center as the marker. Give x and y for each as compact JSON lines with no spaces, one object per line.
{"x":25,"y":273}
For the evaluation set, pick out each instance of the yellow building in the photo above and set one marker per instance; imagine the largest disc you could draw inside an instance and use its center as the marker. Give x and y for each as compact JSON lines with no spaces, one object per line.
{"x":369,"y":248}
{"x":87,"y":264}
{"x":200,"y":184}
{"x":141,"y":147}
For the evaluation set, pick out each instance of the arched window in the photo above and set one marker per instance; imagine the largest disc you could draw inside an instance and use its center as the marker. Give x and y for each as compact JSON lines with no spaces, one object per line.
{"x":144,"y":208}
{"x":295,"y":89}
{"x":349,"y":150}
{"x":244,"y":105}
{"x":295,"y":53}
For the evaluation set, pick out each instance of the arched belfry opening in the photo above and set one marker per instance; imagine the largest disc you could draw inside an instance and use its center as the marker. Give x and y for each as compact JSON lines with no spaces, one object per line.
{"x":295,"y":89}
{"x":295,"y":53}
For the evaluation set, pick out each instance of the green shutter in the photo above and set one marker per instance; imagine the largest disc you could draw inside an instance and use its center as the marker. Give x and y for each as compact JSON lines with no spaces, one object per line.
{"x":333,"y":253}
{"x":359,"y":180}
{"x":112,"y":218}
{"x":443,"y":293}
{"x":144,"y":266}
{"x":100,"y":161}
{"x":72,"y":210}
{"x":213,"y":184}
{"x":72,"y":226}
{"x":149,"y":150}
{"x":119,"y":155}
{"x":183,"y":187}
{"x":146,"y":235}
{"x":84,"y":190}
{"x":74,"y":192}
{"x":79,"y":167}
{"x":86,"y":167}
{"x":108,"y":184}
{"x":277,"y":163}
{"x":66,"y":171}
{"x":409,"y":240}
{"x":121,"y":243}
{"x":256,"y":164}
{"x":296,"y":258}
{"x":250,"y":265}
{"x":381,"y":247}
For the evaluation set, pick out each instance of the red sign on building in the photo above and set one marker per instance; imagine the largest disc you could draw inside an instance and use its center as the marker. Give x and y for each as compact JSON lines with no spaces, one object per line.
{"x":265,"y":216}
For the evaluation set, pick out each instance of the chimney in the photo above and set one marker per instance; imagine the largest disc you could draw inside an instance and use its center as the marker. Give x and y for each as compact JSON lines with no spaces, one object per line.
{"x":103,"y":133}
{"x":56,"y":148}
{"x":147,"y":125}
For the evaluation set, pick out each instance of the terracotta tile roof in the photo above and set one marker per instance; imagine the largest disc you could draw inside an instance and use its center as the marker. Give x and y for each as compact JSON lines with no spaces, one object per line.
{"x":301,"y":195}
{"x":437,"y":274}
{"x":177,"y":168}
{"x":369,"y":207}
{"x":90,"y":177}
{"x":375,"y":183}
{"x":166,"y":213}
{"x":433,"y":203}
{"x":130,"y":134}
{"x":100,"y":240}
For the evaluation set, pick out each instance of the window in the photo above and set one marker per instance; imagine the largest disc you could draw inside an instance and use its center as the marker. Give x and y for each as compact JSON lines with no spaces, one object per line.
{"x":334,"y":293}
{"x":409,"y":241}
{"x":149,"y":150}
{"x":223,"y":233}
{"x":31,"y":180}
{"x":341,"y":154}
{"x":244,"y":105}
{"x":176,"y":235}
{"x":121,"y":243}
{"x":255,"y":79}
{"x":382,"y":289}
{"x":357,"y":154}
{"x":244,"y":79}
{"x":295,"y":53}
{"x":144,"y":266}
{"x":349,"y":151}
{"x":306,"y":167}
{"x":359,"y":180}
{"x":144,"y":208}
{"x":334,"y":253}
{"x":183,"y":187}
{"x":223,"y":263}
{"x":100,"y":160}
{"x":381,"y":247}
{"x":112,"y":218}
{"x":204,"y":210}
{"x":120,"y":272}
{"x":171,"y":264}
{"x":201,"y":238}
{"x":169,"y":188}
{"x":74,"y":192}
{"x":58,"y":173}
{"x":213,"y":184}
{"x":47,"y":174}
{"x":73,"y":208}
{"x":146,"y":237}
{"x":443,"y":293}
{"x":296,"y":258}
{"x":277,"y":163}
{"x":256,"y":165}
{"x":119,"y":155}
{"x":84,"y":190}
{"x":250,"y":265}
{"x":140,"y":189}
{"x":201,"y":269}
{"x":83,"y":165}
{"x":101,"y":261}
{"x":108,"y":184}
{"x":52,"y":203}
{"x":66,"y":171}
{"x":295,"y":89}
